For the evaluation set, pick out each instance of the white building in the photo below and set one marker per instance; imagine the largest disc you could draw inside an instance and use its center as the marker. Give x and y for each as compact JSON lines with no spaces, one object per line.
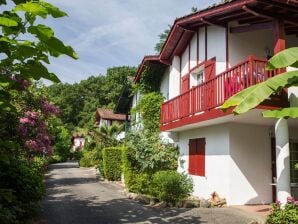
{"x":211,"y":55}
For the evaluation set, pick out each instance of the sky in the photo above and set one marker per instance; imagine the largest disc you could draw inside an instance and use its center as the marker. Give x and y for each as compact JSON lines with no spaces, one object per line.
{"x":108,"y":33}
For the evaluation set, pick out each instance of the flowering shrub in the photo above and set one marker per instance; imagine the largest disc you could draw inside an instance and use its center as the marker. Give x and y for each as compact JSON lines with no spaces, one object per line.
{"x":48,"y":108}
{"x":286,"y":214}
{"x":33,"y":131}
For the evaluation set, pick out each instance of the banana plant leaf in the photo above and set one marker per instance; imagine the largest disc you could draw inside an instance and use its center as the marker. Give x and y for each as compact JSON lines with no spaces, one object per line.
{"x":289,"y":112}
{"x":288,"y":57}
{"x":251,"y":97}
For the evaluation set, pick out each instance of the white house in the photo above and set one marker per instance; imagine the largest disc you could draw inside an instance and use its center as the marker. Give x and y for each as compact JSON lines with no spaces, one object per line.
{"x":78,"y":142}
{"x":211,"y":55}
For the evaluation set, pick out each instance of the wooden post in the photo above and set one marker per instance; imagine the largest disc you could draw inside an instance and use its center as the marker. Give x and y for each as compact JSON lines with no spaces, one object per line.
{"x":279,"y":35}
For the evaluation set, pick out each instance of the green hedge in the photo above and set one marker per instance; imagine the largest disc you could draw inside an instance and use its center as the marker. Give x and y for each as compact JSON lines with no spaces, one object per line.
{"x":112,"y":163}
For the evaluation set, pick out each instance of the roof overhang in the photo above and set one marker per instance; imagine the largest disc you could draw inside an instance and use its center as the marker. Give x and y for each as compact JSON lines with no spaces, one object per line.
{"x":246,"y":12}
{"x":147,"y":60}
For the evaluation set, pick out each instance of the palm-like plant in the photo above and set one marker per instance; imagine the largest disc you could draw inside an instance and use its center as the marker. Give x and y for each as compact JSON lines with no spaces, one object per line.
{"x":105,"y":136}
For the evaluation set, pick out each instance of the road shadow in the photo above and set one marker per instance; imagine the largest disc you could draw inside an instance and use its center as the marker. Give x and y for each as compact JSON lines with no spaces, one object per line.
{"x":73,"y":199}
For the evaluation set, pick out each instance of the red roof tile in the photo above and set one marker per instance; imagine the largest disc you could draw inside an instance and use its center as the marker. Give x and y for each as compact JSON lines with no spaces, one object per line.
{"x":109,"y":114}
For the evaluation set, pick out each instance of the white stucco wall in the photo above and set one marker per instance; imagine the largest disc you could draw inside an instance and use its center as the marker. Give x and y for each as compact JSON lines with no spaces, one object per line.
{"x":184,"y":61}
{"x":174,"y":79}
{"x":250,"y":167}
{"x":193,"y":51}
{"x":243,"y":44}
{"x":201,"y":44}
{"x":237,"y":162}
{"x":164,"y":84}
{"x":216,"y":162}
{"x":216,"y":46}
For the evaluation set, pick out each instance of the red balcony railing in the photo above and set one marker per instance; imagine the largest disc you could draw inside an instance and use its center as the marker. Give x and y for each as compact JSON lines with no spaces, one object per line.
{"x":214,"y":92}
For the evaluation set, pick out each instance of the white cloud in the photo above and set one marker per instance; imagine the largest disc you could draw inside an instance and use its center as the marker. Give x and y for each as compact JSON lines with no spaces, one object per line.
{"x":108,"y":33}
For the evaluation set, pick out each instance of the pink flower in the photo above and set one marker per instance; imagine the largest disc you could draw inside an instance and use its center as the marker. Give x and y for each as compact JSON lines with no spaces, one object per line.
{"x":290,"y":199}
{"x":277,"y":202}
{"x":31,"y":144}
{"x":24,"y":120}
{"x":48,"y":108}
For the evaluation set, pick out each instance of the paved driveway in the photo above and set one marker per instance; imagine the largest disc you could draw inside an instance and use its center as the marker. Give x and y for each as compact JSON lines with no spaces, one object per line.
{"x":75,"y":196}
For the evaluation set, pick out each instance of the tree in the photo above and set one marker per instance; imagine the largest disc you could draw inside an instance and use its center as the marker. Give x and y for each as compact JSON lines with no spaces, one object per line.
{"x":78,"y":102}
{"x":162,"y":38}
{"x":25,"y":47}
{"x":164,"y":35}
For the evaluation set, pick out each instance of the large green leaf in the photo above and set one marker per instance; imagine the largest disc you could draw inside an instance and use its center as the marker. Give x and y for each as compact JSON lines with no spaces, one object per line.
{"x":7,"y":22}
{"x":291,"y":112}
{"x":53,"y":11}
{"x":37,"y":70}
{"x":254,"y":95}
{"x":288,"y":57}
{"x":41,"y":31}
{"x":56,"y":48}
{"x":32,"y":7}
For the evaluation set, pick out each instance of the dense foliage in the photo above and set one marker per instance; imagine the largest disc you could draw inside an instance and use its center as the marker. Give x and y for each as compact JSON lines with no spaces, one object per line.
{"x":151,"y":78}
{"x":149,"y":109}
{"x":96,"y":140}
{"x":171,"y":186}
{"x":286,"y":214}
{"x":25,"y":48}
{"x":149,"y":154}
{"x":78,"y":102}
{"x":112,"y":163}
{"x":21,"y":189}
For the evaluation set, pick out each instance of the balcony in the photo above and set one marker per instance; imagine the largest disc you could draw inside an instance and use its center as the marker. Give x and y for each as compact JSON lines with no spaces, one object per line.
{"x":213,"y":93}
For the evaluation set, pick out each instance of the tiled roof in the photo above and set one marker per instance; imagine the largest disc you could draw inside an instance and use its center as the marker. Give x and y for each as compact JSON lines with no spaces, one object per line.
{"x":109,"y":114}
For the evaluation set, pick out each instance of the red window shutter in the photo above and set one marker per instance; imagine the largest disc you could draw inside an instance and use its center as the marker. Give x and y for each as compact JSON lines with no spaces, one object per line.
{"x":209,"y":69}
{"x":192,"y":156}
{"x":197,"y":156}
{"x":185,"y":84}
{"x":201,"y":156}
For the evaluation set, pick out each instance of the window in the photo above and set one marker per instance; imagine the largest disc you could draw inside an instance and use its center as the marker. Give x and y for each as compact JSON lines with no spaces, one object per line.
{"x":197,"y":156}
{"x":197,"y":77}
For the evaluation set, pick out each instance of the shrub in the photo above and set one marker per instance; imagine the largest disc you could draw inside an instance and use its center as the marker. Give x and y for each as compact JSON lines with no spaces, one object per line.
{"x":149,"y":154}
{"x":89,"y":158}
{"x":112,"y":163}
{"x":141,"y":183}
{"x":288,"y":214}
{"x":21,"y":189}
{"x":171,"y":186}
{"x":77,"y":155}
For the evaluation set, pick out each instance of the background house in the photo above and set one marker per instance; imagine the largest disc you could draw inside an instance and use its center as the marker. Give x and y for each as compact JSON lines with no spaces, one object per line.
{"x":77,"y":142}
{"x":210,"y":56}
{"x":108,"y":117}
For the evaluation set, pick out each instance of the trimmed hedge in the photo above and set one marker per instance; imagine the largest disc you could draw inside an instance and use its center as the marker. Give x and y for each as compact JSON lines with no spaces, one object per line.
{"x":112,"y":163}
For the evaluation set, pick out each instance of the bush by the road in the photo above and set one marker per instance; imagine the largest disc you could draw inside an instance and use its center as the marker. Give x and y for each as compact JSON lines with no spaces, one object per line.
{"x":112,"y":163}
{"x":171,"y":186}
{"x":21,"y":189}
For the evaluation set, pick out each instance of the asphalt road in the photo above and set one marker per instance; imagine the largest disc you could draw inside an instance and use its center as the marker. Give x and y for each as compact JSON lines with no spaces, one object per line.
{"x":76,"y":196}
